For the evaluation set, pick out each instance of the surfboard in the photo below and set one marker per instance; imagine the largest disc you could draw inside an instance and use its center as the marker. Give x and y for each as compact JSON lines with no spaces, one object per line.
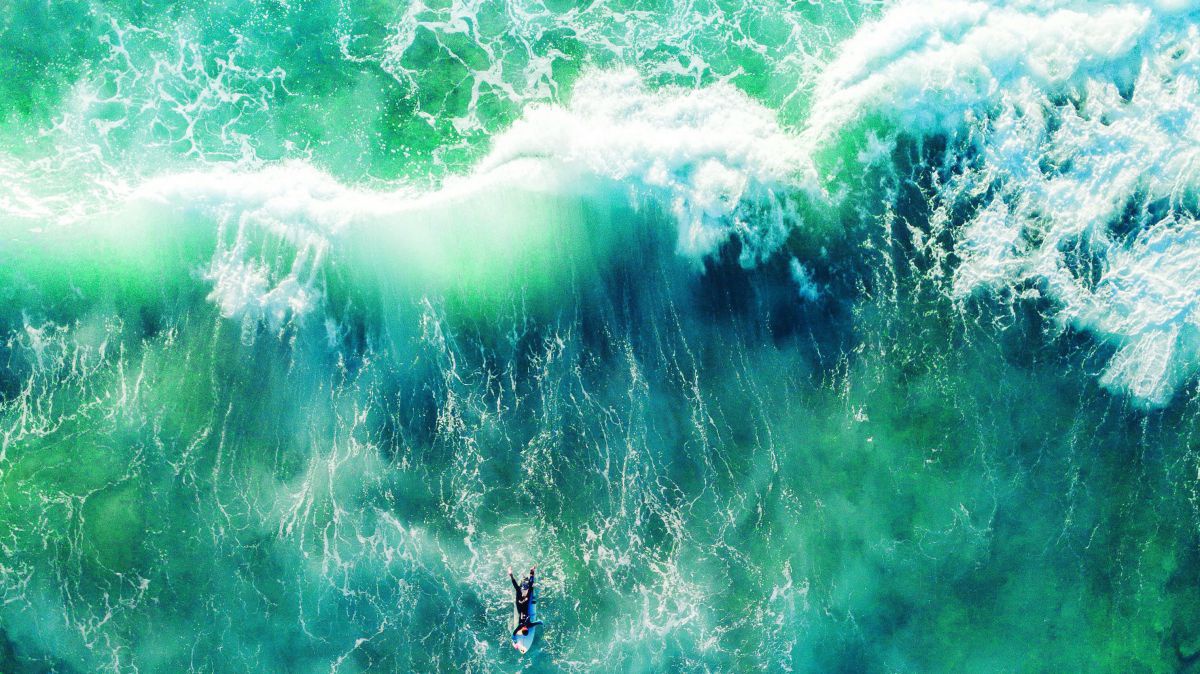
{"x":523,"y":642}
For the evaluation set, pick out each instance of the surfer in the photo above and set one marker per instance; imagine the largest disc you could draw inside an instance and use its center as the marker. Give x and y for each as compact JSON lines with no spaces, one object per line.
{"x":525,"y":599}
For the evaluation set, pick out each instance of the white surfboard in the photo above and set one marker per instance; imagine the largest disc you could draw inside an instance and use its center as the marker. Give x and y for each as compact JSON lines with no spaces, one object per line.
{"x":523,"y":642}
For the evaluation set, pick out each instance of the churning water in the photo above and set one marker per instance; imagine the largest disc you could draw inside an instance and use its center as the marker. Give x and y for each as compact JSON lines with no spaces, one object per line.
{"x":781,"y":336}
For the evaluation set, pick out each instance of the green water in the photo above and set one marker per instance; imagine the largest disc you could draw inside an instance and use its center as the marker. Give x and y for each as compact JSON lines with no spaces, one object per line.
{"x":317,"y":316}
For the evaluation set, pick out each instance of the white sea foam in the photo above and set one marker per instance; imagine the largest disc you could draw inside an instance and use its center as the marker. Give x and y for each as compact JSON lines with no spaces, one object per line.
{"x":805,"y":286}
{"x":706,"y":153}
{"x":1077,"y":110}
{"x":718,"y":162}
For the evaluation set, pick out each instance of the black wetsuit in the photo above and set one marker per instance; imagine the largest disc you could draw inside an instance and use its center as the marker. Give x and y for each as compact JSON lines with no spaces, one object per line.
{"x":524,"y":600}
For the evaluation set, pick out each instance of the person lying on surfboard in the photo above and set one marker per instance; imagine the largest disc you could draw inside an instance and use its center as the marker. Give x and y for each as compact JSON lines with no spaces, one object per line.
{"x":524,"y":599}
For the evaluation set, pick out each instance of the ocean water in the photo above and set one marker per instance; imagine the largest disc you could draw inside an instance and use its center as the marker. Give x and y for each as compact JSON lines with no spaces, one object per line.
{"x":780,"y":336}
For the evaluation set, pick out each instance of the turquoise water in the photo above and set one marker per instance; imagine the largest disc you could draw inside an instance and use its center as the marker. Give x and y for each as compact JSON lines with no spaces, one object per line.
{"x":779,"y":336}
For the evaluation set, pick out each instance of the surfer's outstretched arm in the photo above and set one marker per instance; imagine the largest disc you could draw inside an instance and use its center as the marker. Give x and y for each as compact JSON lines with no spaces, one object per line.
{"x":516,"y":585}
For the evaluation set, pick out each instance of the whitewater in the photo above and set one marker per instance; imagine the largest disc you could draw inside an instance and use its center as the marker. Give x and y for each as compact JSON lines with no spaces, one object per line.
{"x":779,"y":336}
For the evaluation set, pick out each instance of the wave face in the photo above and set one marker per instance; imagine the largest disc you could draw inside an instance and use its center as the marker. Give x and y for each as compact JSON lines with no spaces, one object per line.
{"x":779,"y":336}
